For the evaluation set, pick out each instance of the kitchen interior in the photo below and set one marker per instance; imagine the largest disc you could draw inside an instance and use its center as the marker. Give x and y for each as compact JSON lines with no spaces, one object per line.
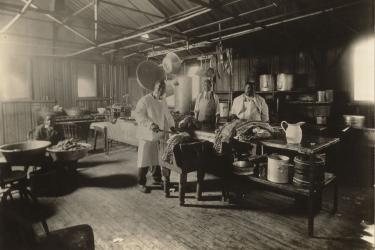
{"x":303,"y":178}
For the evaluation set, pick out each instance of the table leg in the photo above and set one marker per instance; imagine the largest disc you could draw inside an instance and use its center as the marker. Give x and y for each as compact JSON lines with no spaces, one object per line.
{"x":335,"y":196}
{"x":200,"y":177}
{"x":182,"y":187}
{"x":95,"y":137}
{"x":166,"y":176}
{"x":106,"y":148}
{"x":311,"y":215}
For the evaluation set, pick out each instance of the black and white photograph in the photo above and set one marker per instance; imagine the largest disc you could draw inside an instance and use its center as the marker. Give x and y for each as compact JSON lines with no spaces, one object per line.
{"x":187,"y":124}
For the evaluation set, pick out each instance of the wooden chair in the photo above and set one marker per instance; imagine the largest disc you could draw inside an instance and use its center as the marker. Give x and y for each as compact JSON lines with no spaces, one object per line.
{"x":187,"y":158}
{"x":80,"y":237}
{"x":71,"y":130}
{"x":16,"y":180}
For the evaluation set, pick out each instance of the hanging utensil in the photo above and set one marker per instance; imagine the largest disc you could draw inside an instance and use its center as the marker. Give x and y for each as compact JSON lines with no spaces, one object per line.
{"x":147,"y":73}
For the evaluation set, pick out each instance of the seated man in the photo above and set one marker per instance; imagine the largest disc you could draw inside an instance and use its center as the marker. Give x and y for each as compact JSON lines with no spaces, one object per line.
{"x":47,"y":131}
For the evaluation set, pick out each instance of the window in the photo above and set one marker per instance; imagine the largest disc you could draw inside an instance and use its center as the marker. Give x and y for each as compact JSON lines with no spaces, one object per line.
{"x":86,"y":80}
{"x":363,"y":61}
{"x":14,"y":78}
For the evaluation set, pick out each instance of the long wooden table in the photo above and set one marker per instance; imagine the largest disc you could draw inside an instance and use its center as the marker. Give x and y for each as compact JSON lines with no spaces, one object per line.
{"x":121,"y":131}
{"x":310,"y":145}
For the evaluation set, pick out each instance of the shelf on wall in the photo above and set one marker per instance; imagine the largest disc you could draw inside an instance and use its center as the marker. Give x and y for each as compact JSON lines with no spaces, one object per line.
{"x":283,"y":92}
{"x":308,"y":103}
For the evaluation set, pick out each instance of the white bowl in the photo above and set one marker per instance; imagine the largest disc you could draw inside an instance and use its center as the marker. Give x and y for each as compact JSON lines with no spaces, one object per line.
{"x":101,"y":110}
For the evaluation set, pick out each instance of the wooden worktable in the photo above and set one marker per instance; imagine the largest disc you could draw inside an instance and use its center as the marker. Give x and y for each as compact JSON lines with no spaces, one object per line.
{"x":121,"y":131}
{"x":310,"y":144}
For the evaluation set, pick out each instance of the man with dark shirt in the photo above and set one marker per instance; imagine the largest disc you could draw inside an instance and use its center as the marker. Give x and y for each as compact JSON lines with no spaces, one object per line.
{"x":47,"y":131}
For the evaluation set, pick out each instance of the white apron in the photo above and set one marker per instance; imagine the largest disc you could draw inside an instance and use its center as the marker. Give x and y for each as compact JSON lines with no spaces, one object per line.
{"x":148,"y":151}
{"x":207,"y":112}
{"x":251,"y":111}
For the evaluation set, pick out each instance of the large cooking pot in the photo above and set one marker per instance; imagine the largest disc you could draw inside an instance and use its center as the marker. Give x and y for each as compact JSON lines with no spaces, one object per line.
{"x":355,"y":121}
{"x":266,"y":82}
{"x":25,"y":152}
{"x":69,"y":155}
{"x":278,"y":168}
{"x":284,"y":82}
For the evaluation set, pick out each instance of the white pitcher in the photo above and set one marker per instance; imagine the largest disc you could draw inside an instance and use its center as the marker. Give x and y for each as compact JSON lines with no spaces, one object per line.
{"x":293,"y":132}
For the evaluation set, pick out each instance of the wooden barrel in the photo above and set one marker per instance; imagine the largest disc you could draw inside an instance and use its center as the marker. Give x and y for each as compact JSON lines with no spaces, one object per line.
{"x":305,"y":167}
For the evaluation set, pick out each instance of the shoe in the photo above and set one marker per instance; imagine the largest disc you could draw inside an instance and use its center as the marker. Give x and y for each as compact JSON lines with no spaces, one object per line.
{"x":143,"y":189}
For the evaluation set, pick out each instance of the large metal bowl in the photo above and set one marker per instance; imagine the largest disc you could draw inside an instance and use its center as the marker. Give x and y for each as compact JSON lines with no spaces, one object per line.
{"x":242,"y":164}
{"x":356,"y":121}
{"x":69,"y":155}
{"x":25,"y":152}
{"x":243,"y":168}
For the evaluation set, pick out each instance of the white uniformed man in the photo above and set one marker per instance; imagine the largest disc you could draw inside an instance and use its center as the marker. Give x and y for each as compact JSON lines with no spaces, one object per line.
{"x":152,"y":114}
{"x":250,"y":106}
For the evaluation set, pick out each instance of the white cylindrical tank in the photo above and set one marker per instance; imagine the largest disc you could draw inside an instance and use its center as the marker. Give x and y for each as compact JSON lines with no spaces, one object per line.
{"x":183,"y":94}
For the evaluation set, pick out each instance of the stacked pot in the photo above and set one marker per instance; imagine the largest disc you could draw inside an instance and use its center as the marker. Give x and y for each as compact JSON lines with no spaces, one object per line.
{"x":308,"y":170}
{"x":284,"y":82}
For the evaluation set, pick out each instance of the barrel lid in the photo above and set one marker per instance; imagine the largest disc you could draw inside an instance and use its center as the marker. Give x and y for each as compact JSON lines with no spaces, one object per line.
{"x":278,"y":157}
{"x":309,"y":160}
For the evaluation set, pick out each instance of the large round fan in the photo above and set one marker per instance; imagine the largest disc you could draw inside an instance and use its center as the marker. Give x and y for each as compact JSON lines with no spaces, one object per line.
{"x":148,"y":73}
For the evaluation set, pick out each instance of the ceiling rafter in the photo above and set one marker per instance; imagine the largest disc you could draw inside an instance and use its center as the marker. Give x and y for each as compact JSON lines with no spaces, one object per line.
{"x":78,"y":11}
{"x":16,"y":17}
{"x":64,"y":25}
{"x":290,"y":17}
{"x":160,"y":7}
{"x":131,"y":9}
{"x":182,"y":14}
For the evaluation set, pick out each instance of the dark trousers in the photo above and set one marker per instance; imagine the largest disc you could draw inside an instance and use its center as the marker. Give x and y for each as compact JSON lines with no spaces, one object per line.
{"x":142,"y":172}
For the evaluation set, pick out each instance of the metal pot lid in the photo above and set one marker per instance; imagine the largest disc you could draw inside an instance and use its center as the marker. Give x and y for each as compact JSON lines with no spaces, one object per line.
{"x":148,"y":73}
{"x":279,"y":157}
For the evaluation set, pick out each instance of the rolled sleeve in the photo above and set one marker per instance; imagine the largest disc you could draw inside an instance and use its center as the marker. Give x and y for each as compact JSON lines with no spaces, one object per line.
{"x":264,"y":112}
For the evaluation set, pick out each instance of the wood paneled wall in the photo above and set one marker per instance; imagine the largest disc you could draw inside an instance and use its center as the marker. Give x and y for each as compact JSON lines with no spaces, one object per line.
{"x":93,"y":104}
{"x":54,"y":81}
{"x":247,"y":67}
{"x":18,"y":120}
{"x":19,"y":117}
{"x":112,"y":81}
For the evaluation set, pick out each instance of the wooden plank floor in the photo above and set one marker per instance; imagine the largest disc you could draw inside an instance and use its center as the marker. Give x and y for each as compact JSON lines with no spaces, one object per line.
{"x":106,"y":197}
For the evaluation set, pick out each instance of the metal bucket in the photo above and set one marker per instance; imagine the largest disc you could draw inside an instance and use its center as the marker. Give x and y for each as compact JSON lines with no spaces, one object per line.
{"x":278,"y":168}
{"x":303,"y":170}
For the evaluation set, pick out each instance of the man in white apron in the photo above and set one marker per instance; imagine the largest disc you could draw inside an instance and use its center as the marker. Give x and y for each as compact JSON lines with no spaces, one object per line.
{"x":250,"y":106}
{"x":206,"y":109}
{"x":153,"y":117}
